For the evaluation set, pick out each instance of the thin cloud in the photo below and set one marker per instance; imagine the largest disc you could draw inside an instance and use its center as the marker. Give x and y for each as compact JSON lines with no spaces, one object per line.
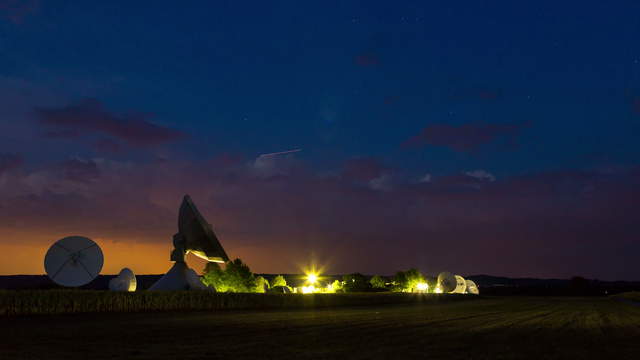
{"x":90,"y":117}
{"x":17,"y":10}
{"x":80,"y":170}
{"x":526,"y":218}
{"x":9,"y":162}
{"x":481,"y":175}
{"x":467,"y":138}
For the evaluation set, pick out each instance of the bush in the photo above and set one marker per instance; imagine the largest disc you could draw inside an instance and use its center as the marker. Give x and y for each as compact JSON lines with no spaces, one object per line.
{"x":355,"y":282}
{"x":236,"y":277}
{"x":279,"y":281}
{"x":262,"y":285}
{"x":406,"y":281}
{"x":213,"y":275}
{"x":377,"y":282}
{"x":399,"y":281}
{"x":413,"y":278}
{"x":333,"y":287}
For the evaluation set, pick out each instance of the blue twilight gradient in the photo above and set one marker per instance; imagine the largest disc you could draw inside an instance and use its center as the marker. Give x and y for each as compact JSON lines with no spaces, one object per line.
{"x":340,"y":80}
{"x":255,"y":77}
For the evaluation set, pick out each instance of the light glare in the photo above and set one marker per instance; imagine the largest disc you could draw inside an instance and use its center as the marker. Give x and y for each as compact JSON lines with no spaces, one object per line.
{"x":422,"y":286}
{"x":312,"y":278}
{"x":308,"y":289}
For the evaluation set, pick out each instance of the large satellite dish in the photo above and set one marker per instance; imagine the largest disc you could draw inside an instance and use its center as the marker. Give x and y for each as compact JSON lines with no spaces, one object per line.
{"x":73,"y":261}
{"x":461,"y":285}
{"x":447,"y":282}
{"x":195,"y":236}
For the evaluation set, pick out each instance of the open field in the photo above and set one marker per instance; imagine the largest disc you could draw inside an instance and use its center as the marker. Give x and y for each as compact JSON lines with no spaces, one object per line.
{"x":633,"y":296}
{"x":490,"y":328}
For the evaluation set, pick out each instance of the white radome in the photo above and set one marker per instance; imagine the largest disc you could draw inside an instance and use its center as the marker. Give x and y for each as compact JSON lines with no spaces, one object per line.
{"x":461,"y":285}
{"x":125,"y":281}
{"x":472,"y":288}
{"x":447,"y":282}
{"x":73,"y":261}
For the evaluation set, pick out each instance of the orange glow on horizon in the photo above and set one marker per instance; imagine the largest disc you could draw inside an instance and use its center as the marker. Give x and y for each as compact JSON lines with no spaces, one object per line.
{"x":141,"y":257}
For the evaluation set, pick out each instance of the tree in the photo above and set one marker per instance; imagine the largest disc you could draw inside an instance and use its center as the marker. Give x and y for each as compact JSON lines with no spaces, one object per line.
{"x":355,"y":282}
{"x":399,"y":281}
{"x":377,"y":282}
{"x":414,"y":277}
{"x":214,"y":276}
{"x":279,"y":281}
{"x":262,"y":285}
{"x":236,"y":277}
{"x":406,"y":281}
{"x":336,"y":286}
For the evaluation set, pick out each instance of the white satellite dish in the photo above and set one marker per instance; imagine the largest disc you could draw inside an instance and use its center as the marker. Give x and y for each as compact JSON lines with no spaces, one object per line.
{"x":461,"y":285}
{"x":472,"y":288}
{"x":73,"y":261}
{"x":447,"y":282}
{"x":125,"y":281}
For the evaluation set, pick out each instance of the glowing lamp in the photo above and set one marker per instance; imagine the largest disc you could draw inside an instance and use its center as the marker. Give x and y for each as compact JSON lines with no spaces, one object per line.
{"x":308,"y":289}
{"x":422,"y":286}
{"x":312,"y":278}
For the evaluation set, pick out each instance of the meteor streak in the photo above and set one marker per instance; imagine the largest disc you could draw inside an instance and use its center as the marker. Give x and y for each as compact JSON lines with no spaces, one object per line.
{"x":281,"y":153}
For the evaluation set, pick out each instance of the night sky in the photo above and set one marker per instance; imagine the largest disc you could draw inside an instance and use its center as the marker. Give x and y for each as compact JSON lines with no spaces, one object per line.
{"x":494,"y":137}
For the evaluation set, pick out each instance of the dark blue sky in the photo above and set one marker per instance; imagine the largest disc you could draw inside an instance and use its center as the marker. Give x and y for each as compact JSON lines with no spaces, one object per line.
{"x":382,"y":97}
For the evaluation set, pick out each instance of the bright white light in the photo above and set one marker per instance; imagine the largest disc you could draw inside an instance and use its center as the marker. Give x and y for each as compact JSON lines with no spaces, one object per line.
{"x":422,"y":286}
{"x":312,"y":278}
{"x":438,"y":290}
{"x":308,"y":289}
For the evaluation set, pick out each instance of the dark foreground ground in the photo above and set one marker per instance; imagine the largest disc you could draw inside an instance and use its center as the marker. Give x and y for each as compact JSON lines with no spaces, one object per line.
{"x":493,"y":328}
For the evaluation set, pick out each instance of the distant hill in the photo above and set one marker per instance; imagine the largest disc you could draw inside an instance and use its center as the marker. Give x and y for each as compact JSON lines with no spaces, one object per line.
{"x":492,"y":281}
{"x":496,"y":285}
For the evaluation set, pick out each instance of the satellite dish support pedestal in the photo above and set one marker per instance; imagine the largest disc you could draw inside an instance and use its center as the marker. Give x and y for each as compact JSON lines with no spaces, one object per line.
{"x":178,"y":252}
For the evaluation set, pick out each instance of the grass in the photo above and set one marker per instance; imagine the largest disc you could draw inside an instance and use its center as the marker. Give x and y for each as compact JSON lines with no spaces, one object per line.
{"x":490,"y":328}
{"x":18,"y":303}
{"x":633,"y":296}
